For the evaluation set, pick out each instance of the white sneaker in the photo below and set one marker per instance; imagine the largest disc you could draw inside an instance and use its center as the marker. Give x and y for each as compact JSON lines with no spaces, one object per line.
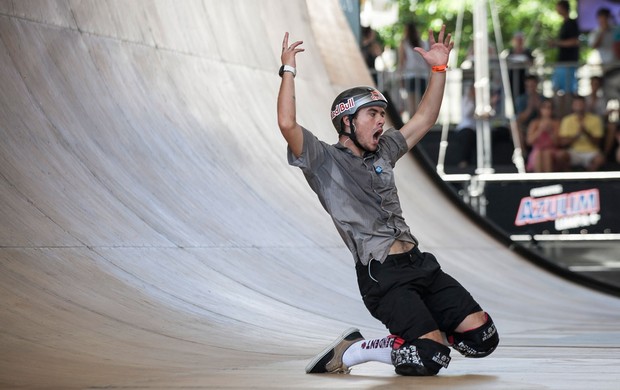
{"x":330,"y":359}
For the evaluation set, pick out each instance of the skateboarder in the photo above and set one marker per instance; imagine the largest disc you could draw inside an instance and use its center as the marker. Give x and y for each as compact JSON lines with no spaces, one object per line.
{"x":400,"y":285}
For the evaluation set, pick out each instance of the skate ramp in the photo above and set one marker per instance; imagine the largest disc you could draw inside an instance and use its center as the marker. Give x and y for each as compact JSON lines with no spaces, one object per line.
{"x":153,"y":235}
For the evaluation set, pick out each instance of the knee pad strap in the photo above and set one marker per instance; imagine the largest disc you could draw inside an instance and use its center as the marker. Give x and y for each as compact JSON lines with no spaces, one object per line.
{"x":421,"y":357}
{"x":476,"y":343}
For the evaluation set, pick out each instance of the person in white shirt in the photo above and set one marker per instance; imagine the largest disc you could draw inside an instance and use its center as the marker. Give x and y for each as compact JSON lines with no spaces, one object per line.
{"x":602,"y":38}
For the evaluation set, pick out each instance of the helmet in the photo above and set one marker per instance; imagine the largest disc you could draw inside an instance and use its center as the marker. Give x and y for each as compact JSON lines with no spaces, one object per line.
{"x":351,"y":100}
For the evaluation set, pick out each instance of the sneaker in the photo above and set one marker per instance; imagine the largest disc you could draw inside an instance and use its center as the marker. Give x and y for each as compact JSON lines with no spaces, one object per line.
{"x":330,"y":359}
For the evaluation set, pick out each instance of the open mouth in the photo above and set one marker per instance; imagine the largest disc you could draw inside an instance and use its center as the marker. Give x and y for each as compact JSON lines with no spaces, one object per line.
{"x":376,"y":135}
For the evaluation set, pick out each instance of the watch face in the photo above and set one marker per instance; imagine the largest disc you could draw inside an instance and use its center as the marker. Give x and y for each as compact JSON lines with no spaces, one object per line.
{"x":281,"y":71}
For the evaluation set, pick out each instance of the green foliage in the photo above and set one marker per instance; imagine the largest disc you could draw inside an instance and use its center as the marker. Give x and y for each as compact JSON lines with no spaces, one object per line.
{"x":537,"y":19}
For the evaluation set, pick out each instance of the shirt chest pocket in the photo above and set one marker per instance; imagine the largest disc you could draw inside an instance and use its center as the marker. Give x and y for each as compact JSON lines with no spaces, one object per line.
{"x":383,"y":176}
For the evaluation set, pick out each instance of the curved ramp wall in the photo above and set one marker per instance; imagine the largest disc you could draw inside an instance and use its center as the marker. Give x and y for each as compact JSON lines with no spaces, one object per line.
{"x":152,"y":232}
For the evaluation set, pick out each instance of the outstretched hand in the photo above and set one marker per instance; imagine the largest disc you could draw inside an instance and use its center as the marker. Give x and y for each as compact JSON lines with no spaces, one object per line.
{"x":289,"y":52}
{"x":439,"y":50}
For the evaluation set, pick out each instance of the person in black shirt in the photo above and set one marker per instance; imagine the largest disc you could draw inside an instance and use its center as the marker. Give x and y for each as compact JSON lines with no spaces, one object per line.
{"x":567,"y":43}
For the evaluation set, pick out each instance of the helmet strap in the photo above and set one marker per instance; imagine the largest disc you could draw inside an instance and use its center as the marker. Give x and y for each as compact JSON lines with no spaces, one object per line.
{"x":352,"y":135}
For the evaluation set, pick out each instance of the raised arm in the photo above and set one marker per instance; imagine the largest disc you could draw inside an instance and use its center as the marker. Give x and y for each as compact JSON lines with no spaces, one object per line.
{"x":428,"y":110}
{"x":287,"y":115}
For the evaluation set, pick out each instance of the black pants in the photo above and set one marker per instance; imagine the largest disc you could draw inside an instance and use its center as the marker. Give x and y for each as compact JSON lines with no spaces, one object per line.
{"x":411,"y":295}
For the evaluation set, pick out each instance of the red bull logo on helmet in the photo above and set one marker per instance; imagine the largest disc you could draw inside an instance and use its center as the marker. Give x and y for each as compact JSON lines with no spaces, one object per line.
{"x":376,"y":95}
{"x":342,"y":107}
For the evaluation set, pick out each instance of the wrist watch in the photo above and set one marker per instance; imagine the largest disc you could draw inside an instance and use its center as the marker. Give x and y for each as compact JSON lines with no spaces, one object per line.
{"x":287,"y":68}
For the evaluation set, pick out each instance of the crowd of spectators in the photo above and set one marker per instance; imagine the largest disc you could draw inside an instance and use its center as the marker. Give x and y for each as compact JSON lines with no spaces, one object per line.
{"x":559,"y":130}
{"x":570,"y":131}
{"x":584,"y":138}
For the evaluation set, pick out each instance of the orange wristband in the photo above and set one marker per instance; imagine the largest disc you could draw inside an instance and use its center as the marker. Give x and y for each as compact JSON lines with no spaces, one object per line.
{"x":439,"y":68}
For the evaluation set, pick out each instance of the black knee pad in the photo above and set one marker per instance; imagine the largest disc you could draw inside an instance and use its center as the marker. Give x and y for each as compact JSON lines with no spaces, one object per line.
{"x":476,"y":343}
{"x":421,"y":357}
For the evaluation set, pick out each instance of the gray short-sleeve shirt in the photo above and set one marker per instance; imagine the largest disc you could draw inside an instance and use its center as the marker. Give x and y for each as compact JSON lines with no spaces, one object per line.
{"x":359,"y":193}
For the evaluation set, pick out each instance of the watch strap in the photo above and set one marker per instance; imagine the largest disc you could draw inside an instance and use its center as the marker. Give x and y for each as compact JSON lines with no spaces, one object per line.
{"x":287,"y":68}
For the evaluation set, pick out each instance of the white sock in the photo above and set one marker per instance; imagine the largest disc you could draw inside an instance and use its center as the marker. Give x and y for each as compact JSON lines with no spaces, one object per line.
{"x":376,"y":350}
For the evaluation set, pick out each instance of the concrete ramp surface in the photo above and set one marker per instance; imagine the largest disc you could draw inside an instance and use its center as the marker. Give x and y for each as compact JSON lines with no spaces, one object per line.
{"x":152,"y":234}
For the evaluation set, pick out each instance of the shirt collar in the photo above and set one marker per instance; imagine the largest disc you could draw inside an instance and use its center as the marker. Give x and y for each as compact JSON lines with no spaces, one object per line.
{"x":340,"y":146}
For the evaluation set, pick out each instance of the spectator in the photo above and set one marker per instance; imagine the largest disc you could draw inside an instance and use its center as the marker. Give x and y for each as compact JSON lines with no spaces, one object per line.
{"x":567,"y":43}
{"x":542,"y":137}
{"x":465,"y":138}
{"x":519,"y":59}
{"x":412,"y":66}
{"x":527,"y":106}
{"x":466,"y":129}
{"x":371,"y":49}
{"x":617,"y":154}
{"x":601,"y":39}
{"x":597,"y":103}
{"x":611,"y":144}
{"x":615,"y":47}
{"x":581,"y":133}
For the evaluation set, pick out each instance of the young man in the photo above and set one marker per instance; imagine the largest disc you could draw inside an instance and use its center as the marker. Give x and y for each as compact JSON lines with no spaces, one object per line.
{"x":564,"y":78}
{"x":400,"y":285}
{"x":567,"y":43}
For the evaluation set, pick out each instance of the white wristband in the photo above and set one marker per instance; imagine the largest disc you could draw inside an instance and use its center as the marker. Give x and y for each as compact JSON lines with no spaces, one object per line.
{"x":287,"y":68}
